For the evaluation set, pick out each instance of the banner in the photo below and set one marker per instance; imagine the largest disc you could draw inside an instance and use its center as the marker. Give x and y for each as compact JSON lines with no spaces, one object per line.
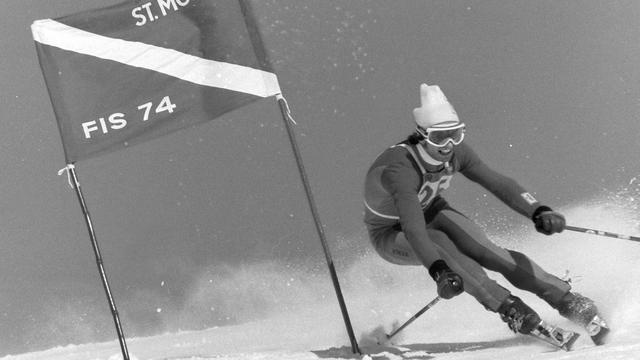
{"x":131,"y":72}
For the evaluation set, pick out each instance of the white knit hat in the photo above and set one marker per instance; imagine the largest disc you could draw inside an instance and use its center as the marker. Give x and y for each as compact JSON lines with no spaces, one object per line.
{"x":435,"y":110}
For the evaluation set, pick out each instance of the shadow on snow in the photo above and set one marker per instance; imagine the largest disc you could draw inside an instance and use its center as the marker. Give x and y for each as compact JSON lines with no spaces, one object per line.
{"x":420,"y":351}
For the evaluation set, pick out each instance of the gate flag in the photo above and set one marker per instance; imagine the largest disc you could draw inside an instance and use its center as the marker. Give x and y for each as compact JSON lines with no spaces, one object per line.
{"x":134,"y":71}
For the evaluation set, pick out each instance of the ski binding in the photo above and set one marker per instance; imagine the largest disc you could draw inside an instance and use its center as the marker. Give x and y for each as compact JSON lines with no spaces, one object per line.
{"x":556,"y":336}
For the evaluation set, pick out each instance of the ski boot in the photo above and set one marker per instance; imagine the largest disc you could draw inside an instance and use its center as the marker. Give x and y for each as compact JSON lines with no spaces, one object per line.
{"x":582,"y":310}
{"x":522,"y":319}
{"x":519,"y":317}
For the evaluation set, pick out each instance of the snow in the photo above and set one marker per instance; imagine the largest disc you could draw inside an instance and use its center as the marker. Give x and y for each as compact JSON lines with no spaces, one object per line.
{"x":308,"y":324}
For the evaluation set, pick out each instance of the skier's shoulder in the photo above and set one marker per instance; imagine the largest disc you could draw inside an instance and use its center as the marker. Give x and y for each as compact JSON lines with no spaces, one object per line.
{"x":395,"y":166}
{"x":464,"y":149}
{"x":465,"y":156}
{"x":395,"y":155}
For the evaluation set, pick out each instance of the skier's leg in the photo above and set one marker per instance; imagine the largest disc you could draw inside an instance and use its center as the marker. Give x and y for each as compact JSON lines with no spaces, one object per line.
{"x":522,"y":272}
{"x":394,"y":247}
{"x":516,"y":267}
{"x":476,"y":281}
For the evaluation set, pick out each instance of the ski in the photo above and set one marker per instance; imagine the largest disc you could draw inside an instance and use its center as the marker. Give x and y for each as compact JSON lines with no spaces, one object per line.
{"x":597,"y":329}
{"x":556,"y":336}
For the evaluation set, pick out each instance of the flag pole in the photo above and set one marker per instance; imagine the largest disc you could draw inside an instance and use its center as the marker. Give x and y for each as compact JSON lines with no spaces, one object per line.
{"x":288,"y":120}
{"x":103,"y":275}
{"x":256,"y":39}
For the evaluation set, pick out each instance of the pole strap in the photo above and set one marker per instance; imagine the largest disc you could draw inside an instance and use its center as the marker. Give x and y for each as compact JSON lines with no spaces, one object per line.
{"x":68,"y":169}
{"x":287,"y":109}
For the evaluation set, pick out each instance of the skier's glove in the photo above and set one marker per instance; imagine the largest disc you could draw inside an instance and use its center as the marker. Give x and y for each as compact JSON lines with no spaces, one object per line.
{"x":449,"y":283}
{"x":548,"y":221}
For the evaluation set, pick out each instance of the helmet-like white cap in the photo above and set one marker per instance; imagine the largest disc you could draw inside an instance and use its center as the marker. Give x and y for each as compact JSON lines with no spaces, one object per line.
{"x":435,"y":110}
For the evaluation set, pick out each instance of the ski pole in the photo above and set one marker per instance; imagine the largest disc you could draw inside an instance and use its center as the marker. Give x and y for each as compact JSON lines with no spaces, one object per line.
{"x":422,"y":311}
{"x":602,"y":233}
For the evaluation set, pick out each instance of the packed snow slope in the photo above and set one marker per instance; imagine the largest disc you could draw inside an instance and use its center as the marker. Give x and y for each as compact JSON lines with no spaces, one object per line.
{"x":300,"y":319}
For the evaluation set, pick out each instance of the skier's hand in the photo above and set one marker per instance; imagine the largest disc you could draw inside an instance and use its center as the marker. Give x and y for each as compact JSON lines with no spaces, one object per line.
{"x":548,"y":221}
{"x":449,"y":283}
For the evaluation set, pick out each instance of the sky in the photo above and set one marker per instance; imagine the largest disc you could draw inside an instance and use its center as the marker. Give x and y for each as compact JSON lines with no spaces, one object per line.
{"x":548,"y":91}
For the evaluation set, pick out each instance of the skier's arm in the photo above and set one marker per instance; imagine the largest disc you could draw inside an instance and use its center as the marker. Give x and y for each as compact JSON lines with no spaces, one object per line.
{"x":511,"y":193}
{"x":503,"y":187}
{"x":402,"y":182}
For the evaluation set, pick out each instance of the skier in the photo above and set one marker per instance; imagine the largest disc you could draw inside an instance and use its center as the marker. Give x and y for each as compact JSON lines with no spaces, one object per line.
{"x":410,"y":223}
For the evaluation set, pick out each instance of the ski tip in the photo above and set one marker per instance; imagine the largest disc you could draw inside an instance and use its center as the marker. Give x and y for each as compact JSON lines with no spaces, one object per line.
{"x":568,"y":345}
{"x":600,"y":337}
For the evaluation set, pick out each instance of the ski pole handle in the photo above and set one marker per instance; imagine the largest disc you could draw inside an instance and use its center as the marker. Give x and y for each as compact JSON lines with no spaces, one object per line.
{"x":602,"y":233}
{"x":417,"y":315}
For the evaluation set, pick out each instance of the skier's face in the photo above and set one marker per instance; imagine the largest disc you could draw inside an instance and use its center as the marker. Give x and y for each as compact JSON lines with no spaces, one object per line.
{"x":439,"y":142}
{"x":442,"y":154}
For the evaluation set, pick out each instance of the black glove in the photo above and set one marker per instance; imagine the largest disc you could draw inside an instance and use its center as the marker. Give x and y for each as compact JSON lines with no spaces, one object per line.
{"x":449,"y":283}
{"x":548,"y":221}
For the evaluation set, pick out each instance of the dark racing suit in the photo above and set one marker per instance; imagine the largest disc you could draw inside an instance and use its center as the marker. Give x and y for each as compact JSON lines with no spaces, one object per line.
{"x":409,"y":223}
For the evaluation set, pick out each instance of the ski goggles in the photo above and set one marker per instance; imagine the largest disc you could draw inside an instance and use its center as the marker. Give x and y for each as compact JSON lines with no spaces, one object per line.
{"x":440,"y":137}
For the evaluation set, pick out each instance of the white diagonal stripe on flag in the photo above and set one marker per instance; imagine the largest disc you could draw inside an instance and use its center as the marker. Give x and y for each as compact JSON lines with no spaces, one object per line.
{"x":167,"y":61}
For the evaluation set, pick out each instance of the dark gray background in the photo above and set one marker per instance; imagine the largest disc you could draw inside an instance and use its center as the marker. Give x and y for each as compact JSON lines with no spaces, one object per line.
{"x":549,"y":90}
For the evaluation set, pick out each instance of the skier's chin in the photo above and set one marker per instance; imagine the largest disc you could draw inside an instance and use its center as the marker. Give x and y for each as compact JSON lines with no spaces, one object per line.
{"x":443,"y":154}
